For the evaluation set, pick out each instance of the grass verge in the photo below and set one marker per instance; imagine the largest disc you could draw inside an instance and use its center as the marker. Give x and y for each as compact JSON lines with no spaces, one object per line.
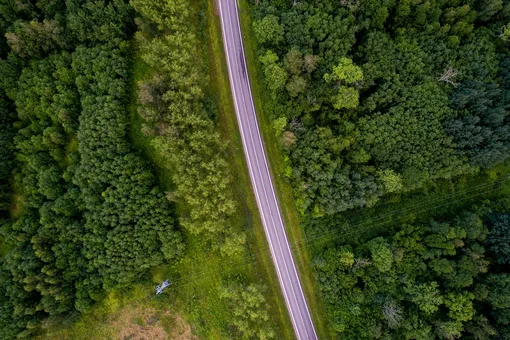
{"x":248,"y":211}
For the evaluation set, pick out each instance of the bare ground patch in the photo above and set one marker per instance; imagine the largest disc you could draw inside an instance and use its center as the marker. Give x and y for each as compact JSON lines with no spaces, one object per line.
{"x":147,"y":323}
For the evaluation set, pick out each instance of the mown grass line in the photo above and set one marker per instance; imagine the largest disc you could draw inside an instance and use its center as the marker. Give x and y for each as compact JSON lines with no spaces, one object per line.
{"x":140,"y":142}
{"x":229,"y":128}
{"x":283,"y":189}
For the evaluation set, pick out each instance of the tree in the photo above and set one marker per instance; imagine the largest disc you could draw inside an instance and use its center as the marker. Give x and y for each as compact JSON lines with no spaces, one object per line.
{"x":293,"y":62}
{"x":392,"y":313}
{"x":460,"y":306}
{"x":346,"y":98}
{"x":505,"y":33}
{"x":393,"y":141}
{"x":499,"y":290}
{"x":321,"y":182}
{"x":488,"y":8}
{"x":381,"y":254}
{"x":233,"y":245}
{"x":98,"y":21}
{"x":482,"y":134}
{"x":310,"y":62}
{"x":448,"y":76}
{"x":480,"y":328}
{"x":391,"y":182}
{"x":250,"y":311}
{"x":295,"y":86}
{"x":274,"y":74}
{"x":345,"y":73}
{"x":499,"y":237}
{"x":35,"y":39}
{"x":279,"y":125}
{"x":268,"y":30}
{"x":345,"y":257}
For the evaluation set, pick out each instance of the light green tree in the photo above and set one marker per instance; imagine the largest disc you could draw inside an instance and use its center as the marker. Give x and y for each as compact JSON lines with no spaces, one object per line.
{"x":268,"y":29}
{"x":346,"y":257}
{"x":275,"y":75}
{"x":279,"y":125}
{"x":345,"y":73}
{"x":233,"y":244}
{"x":390,"y":181}
{"x":505,"y":33}
{"x":426,"y":296}
{"x":460,"y":306}
{"x":381,"y":254}
{"x":250,"y":311}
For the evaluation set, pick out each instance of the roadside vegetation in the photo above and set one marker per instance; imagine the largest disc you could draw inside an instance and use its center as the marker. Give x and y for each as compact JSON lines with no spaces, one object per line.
{"x":276,"y":159}
{"x":121,"y":155}
{"x":388,"y":115}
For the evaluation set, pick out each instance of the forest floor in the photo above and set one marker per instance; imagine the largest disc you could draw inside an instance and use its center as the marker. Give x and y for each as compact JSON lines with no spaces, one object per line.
{"x":192,"y":302}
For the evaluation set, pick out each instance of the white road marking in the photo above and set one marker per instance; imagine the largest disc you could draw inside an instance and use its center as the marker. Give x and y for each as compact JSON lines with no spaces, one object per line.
{"x":301,"y":327}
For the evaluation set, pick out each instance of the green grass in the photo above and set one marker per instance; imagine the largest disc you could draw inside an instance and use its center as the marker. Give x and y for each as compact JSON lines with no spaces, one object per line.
{"x":283,"y":189}
{"x":138,"y":140}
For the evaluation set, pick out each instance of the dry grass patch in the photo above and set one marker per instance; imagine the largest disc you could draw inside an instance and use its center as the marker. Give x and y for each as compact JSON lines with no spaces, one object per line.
{"x":147,"y":323}
{"x":16,"y":205}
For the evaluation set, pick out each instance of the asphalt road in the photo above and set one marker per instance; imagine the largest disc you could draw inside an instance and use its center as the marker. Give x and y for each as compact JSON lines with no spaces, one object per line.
{"x":259,"y":173}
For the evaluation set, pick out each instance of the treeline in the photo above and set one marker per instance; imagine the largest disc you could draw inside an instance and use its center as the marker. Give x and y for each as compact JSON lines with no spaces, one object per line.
{"x":177,"y":113}
{"x":382,"y":96}
{"x":90,"y":217}
{"x":441,"y":279}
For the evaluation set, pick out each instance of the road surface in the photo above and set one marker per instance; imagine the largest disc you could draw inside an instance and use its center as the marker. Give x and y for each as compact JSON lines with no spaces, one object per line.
{"x":259,"y":173}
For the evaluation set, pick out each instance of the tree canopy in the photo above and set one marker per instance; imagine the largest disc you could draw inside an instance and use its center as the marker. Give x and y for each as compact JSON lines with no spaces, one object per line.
{"x":426,"y":281}
{"x":390,"y":79}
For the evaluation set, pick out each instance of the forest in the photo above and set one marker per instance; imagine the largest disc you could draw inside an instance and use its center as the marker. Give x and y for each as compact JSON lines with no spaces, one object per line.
{"x":83,"y":212}
{"x":360,"y":91}
{"x":89,"y":216}
{"x":178,"y":113}
{"x":381,"y":108}
{"x":374,"y":103}
{"x":441,"y":279}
